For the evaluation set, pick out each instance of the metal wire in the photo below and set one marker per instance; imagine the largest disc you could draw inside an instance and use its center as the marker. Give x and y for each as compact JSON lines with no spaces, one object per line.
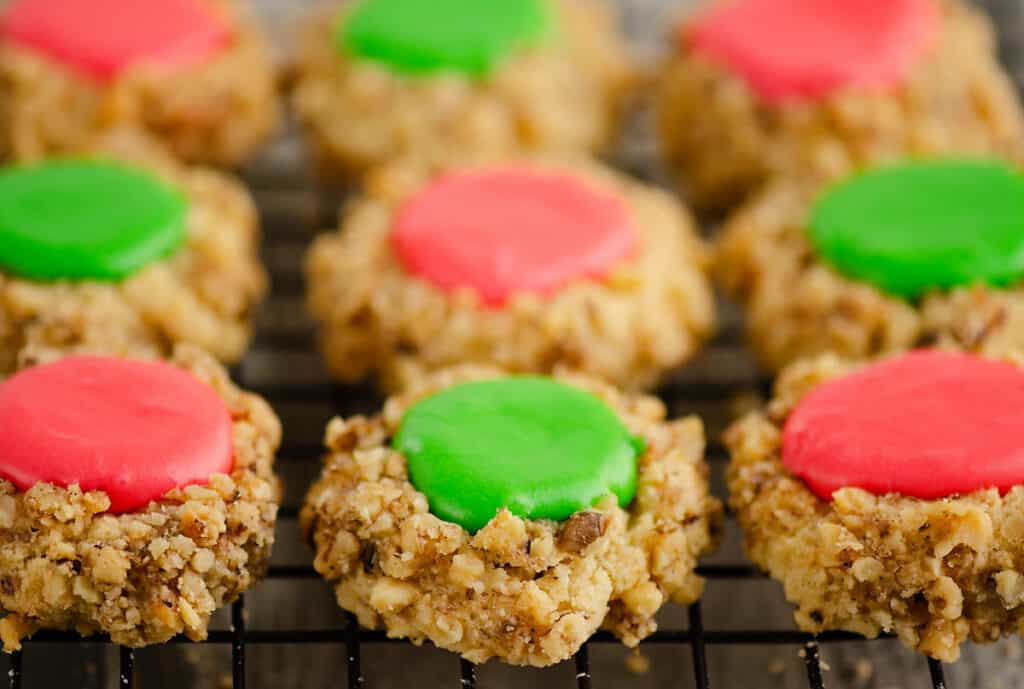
{"x":127,"y":674}
{"x":352,"y":640}
{"x":583,"y":667}
{"x":238,"y":643}
{"x":14,"y":673}
{"x":935,"y":670}
{"x":812,"y":658}
{"x":700,"y":661}
{"x":468,"y":679}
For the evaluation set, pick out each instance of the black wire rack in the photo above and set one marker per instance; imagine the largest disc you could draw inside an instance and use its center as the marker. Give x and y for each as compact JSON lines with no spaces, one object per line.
{"x":286,"y":237}
{"x":278,"y":367}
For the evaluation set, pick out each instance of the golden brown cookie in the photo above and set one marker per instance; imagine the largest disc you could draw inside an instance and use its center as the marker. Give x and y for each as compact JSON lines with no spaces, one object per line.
{"x":202,"y":293}
{"x":641,"y":307}
{"x":934,"y":571}
{"x":526,"y":591}
{"x":724,"y":137}
{"x":150,"y":573}
{"x":210,"y":97}
{"x":562,"y":90}
{"x":799,"y":302}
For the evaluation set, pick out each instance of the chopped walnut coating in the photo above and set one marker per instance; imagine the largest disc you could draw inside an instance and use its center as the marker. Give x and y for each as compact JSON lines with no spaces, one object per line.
{"x":934,"y":572}
{"x":526,"y":592}
{"x":145,"y":576}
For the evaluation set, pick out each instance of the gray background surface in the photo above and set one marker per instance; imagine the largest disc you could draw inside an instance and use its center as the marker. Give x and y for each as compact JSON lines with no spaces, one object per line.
{"x":284,"y":365}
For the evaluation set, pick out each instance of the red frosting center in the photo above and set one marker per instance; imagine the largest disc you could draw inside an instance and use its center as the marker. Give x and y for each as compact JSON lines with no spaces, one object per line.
{"x":926,"y":425}
{"x":132,"y":429}
{"x":808,"y":49}
{"x":102,"y":38}
{"x":505,"y":231}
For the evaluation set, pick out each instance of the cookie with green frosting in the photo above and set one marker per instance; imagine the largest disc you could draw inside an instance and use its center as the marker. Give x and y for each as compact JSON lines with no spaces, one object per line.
{"x":512,"y":517}
{"x":116,"y":252}
{"x":895,"y":257}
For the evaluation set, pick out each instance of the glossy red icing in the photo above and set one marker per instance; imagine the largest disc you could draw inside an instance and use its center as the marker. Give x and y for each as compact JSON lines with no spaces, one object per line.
{"x":926,"y":425}
{"x":807,"y":49}
{"x":512,"y":230}
{"x":101,"y":38}
{"x":133,"y":429}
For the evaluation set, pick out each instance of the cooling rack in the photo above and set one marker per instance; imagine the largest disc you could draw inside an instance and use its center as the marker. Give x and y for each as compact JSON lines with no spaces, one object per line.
{"x":284,"y":367}
{"x":285,"y":337}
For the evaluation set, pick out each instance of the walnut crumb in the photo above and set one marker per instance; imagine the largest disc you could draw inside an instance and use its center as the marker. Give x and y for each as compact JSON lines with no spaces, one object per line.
{"x":582,"y":529}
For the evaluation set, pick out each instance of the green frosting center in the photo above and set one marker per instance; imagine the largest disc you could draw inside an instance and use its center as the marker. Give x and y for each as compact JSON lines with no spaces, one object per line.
{"x":424,"y":36}
{"x":924,"y":226}
{"x":539,"y":448}
{"x":85,"y":220}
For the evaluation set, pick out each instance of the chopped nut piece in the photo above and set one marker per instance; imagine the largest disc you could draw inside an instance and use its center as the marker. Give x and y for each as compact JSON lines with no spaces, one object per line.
{"x":582,"y":529}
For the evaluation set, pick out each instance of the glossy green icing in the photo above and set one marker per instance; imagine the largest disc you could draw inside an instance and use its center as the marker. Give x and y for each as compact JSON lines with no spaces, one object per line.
{"x":921,"y":226}
{"x":542,"y":449}
{"x":85,"y":220}
{"x":424,"y":36}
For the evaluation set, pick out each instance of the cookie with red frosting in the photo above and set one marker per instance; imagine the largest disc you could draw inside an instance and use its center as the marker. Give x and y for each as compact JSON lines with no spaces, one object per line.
{"x":886,"y":496}
{"x":382,"y":79}
{"x":196,"y":75}
{"x":758,"y":88}
{"x":119,"y":249}
{"x":897,"y":256}
{"x":525,"y":263}
{"x":137,"y":496}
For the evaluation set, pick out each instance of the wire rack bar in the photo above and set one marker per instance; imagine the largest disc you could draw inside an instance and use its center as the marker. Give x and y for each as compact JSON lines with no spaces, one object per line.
{"x":938,"y":677}
{"x":238,"y":644}
{"x":352,"y":640}
{"x":14,"y":673}
{"x":700,"y":660}
{"x":468,"y":672}
{"x":126,"y":678}
{"x":583,"y":677}
{"x":812,"y":658}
